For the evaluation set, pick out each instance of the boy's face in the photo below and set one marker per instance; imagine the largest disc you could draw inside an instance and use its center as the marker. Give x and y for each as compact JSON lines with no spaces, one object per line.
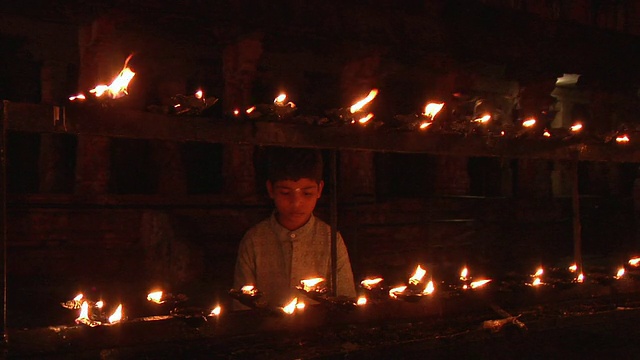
{"x":294,"y":200}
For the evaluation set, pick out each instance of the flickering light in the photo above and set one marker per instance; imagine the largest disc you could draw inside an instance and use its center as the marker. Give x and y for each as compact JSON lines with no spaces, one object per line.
{"x":529,"y":122}
{"x":576,"y":127}
{"x":622,"y":139}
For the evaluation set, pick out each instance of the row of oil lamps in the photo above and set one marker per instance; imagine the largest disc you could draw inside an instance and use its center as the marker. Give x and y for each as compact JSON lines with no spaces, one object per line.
{"x":92,"y":312}
{"x":197,"y":103}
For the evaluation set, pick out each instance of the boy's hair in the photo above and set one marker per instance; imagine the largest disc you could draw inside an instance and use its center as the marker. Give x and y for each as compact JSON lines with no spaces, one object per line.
{"x":294,"y":164}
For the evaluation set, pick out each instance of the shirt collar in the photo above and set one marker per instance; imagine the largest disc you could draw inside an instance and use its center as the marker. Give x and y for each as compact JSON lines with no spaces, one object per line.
{"x":284,"y":233}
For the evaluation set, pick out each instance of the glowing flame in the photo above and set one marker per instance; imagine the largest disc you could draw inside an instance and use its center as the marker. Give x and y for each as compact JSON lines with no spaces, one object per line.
{"x":622,"y":139}
{"x":417,"y":276}
{"x":464,"y":273}
{"x":620,"y":273}
{"x":117,"y":315}
{"x":362,"y":300}
{"x":279,"y":100}
{"x":536,"y":282}
{"x":100,"y":304}
{"x":360,"y":104}
{"x":397,"y":290}
{"x":432,"y":109}
{"x":425,"y":125}
{"x":77,"y":97}
{"x":310,"y":284}
{"x":216,"y":311}
{"x":573,"y":268}
{"x":529,"y":122}
{"x":300,"y":305}
{"x":290,"y":307}
{"x":249,"y":290}
{"x":155,"y":297}
{"x":199,"y":94}
{"x":429,"y":289}
{"x":539,"y":272}
{"x":580,"y":278}
{"x":370,"y":283}
{"x":78,"y":297}
{"x":479,"y":283}
{"x":635,"y":262}
{"x":236,"y":112}
{"x":250,"y":110}
{"x":118,"y":86}
{"x":365,"y":119}
{"x":546,"y":133}
{"x":483,"y":119}
{"x":84,"y":313}
{"x":576,"y":127}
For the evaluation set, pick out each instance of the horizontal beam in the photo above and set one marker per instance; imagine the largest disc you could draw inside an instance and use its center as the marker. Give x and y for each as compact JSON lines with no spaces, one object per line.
{"x":113,"y":122}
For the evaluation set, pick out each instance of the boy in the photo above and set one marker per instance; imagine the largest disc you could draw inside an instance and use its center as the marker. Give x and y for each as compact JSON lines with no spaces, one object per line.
{"x":292,"y":244}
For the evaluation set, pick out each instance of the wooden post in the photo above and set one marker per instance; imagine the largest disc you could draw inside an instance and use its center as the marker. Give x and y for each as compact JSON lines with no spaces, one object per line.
{"x":334,"y":223}
{"x":577,"y":226}
{"x":3,"y":222}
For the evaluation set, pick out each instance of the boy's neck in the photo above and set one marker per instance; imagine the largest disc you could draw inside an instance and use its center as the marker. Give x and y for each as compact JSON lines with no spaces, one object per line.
{"x":290,"y":225}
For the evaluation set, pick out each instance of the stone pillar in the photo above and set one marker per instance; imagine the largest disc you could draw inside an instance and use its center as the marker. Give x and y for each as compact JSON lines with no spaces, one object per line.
{"x":452,"y":176}
{"x":561,"y":179}
{"x":172,"y":179}
{"x":51,"y":162}
{"x":534,"y":178}
{"x":356,"y":175}
{"x":100,"y":61}
{"x":240,"y":66}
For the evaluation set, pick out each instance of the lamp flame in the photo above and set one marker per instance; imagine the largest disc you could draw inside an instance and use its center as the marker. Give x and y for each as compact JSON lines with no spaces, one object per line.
{"x":620,"y":273}
{"x":536,"y":282}
{"x":622,"y":139}
{"x":249,"y":290}
{"x":250,"y":110}
{"x":155,"y":297}
{"x":576,"y":127}
{"x":529,"y":122}
{"x":464,"y":273}
{"x":366,"y":119}
{"x":429,"y":289}
{"x":483,"y":119}
{"x":279,"y":100}
{"x":199,"y":94}
{"x":479,"y":283}
{"x":573,"y":268}
{"x":370,"y":283}
{"x":397,"y":290}
{"x":580,"y":278}
{"x":424,"y":125}
{"x":116,"y":316}
{"x":417,"y":276}
{"x":635,"y":262}
{"x":216,"y":311}
{"x":310,"y":284}
{"x":84,"y":313}
{"x":290,"y":307}
{"x":539,"y":272}
{"x":546,"y":133}
{"x":360,"y":104}
{"x":119,"y":85}
{"x":432,"y":109}
{"x":362,"y":300}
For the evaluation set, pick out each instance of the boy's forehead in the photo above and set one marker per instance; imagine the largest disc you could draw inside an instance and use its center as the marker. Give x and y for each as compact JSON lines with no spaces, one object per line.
{"x":304,"y":183}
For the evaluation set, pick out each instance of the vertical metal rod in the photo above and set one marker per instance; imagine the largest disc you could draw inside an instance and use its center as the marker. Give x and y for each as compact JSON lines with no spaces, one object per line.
{"x":577,"y":225}
{"x":3,"y":219}
{"x":334,"y":223}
